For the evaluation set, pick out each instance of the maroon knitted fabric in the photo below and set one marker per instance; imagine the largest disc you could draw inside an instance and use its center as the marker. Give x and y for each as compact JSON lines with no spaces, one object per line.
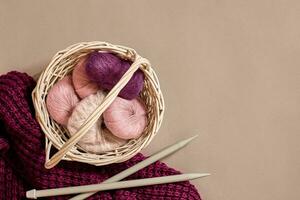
{"x":22,"y":156}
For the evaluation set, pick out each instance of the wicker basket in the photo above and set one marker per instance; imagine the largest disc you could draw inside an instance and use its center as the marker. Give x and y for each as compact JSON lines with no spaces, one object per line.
{"x":61,"y":65}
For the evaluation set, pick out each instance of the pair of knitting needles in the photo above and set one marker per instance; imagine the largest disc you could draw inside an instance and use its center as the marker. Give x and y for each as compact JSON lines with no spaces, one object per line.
{"x":112,"y":183}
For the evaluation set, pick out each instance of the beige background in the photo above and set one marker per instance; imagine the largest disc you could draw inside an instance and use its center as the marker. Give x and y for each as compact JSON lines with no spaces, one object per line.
{"x":229,"y":70}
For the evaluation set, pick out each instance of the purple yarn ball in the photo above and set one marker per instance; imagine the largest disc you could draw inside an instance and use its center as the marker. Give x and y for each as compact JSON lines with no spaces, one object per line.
{"x":106,"y":70}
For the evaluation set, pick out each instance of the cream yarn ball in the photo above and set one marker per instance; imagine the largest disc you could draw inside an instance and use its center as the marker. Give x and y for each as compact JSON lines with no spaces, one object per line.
{"x":98,"y":139}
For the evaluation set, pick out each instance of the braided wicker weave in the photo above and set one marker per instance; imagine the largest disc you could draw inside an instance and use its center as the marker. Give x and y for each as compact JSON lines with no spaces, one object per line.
{"x":61,"y":65}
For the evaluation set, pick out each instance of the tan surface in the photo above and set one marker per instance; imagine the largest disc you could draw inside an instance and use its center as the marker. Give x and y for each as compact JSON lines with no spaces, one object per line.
{"x":235,"y":80}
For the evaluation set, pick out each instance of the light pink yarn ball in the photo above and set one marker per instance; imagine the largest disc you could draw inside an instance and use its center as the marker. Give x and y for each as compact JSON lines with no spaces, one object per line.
{"x":126,"y":119}
{"x":82,"y":83}
{"x":61,"y":100}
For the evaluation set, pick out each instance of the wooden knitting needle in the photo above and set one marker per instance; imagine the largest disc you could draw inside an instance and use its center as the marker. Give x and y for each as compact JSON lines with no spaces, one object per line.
{"x":34,"y":194}
{"x":157,"y":156}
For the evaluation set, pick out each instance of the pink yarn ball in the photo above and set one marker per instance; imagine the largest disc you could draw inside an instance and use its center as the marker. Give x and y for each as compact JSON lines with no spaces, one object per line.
{"x":61,"y":100}
{"x":82,"y":83}
{"x":126,"y":119}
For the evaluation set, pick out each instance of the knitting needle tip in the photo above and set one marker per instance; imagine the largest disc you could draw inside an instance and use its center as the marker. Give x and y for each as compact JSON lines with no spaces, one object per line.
{"x":198,"y":175}
{"x":188,"y":140}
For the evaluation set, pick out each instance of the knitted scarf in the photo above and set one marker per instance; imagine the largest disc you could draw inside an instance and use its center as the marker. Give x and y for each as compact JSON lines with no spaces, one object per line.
{"x":22,"y":156}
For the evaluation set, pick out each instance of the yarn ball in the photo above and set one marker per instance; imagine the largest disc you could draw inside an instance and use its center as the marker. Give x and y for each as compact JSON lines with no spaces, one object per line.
{"x":126,"y":118}
{"x":61,"y":100}
{"x":106,"y":69}
{"x":98,"y":139}
{"x":82,"y":83}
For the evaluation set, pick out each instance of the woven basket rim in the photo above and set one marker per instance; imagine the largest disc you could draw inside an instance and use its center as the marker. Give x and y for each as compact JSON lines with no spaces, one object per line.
{"x":62,"y":64}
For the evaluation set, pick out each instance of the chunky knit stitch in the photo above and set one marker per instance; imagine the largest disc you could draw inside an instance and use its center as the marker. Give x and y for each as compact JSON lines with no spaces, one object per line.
{"x":22,"y":156}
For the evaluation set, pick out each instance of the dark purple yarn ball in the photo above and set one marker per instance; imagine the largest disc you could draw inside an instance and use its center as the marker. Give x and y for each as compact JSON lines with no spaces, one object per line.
{"x":106,"y":70}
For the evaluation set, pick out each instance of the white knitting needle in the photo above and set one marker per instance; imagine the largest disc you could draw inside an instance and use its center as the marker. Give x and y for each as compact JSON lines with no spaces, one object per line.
{"x":157,"y":156}
{"x":34,"y":194}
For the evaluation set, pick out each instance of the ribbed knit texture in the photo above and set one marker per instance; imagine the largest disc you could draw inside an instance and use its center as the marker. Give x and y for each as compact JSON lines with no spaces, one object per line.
{"x":22,"y":156}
